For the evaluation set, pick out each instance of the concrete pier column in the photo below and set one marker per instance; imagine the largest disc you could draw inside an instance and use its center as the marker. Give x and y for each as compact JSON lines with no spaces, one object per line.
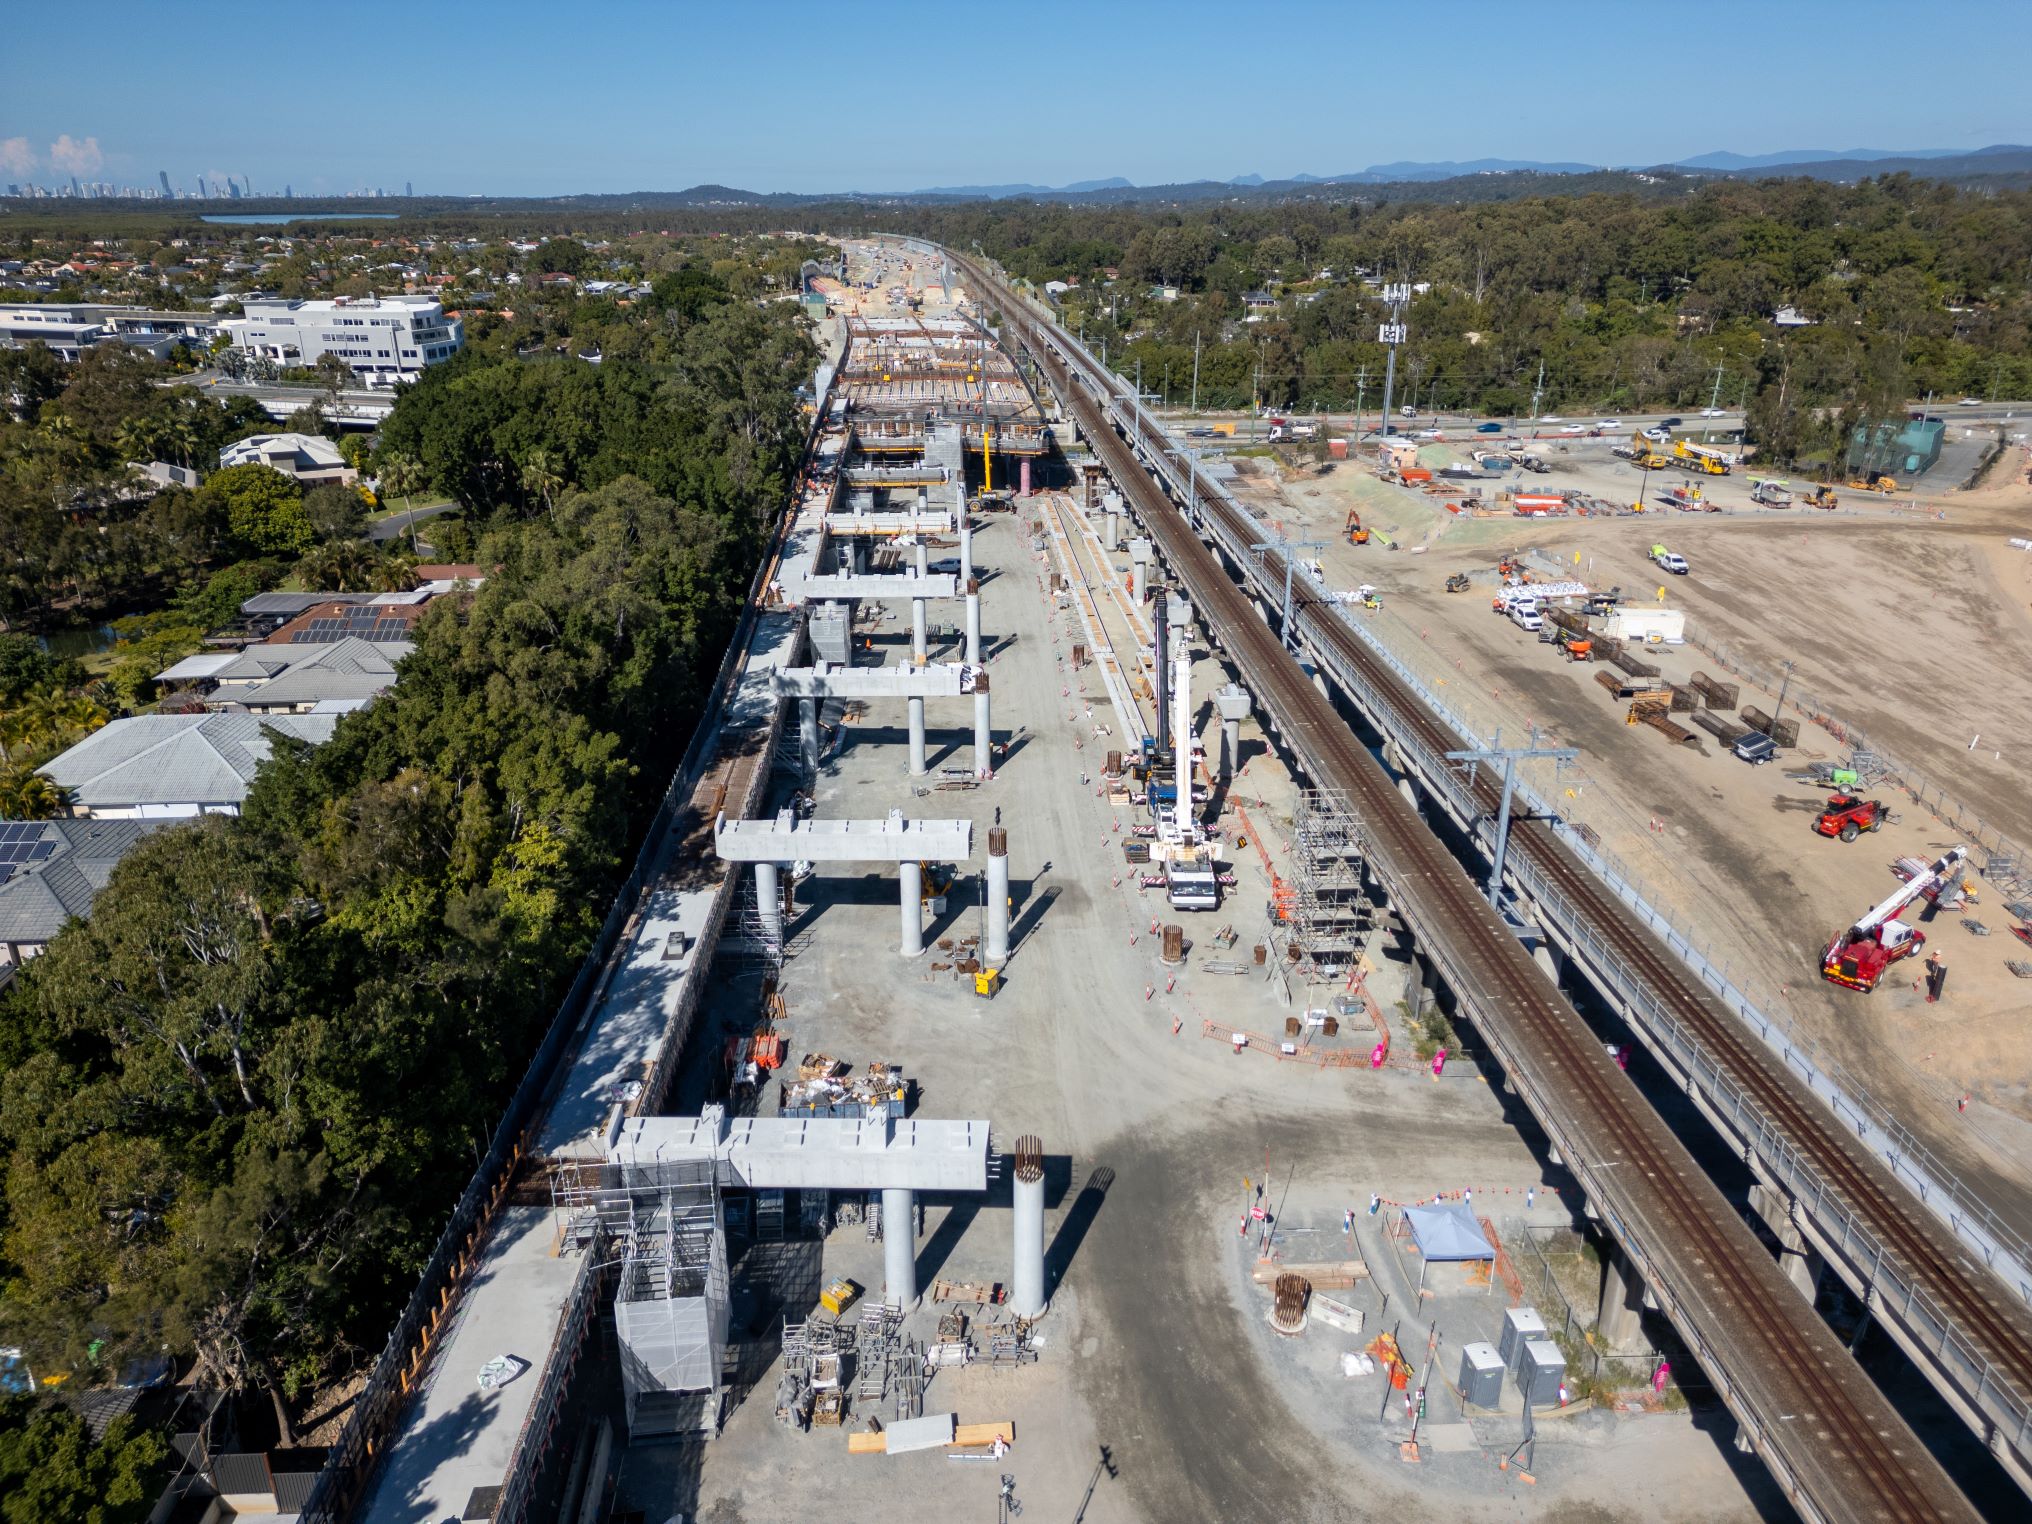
{"x":1621,"y":1313}
{"x":1410,"y":794}
{"x":807,"y":735}
{"x":1232,"y":704}
{"x":769,"y":900}
{"x":1111,"y":522}
{"x":1796,"y":1257}
{"x":1026,"y":1277}
{"x":1548,"y":958}
{"x":1139,"y":574}
{"x":966,"y":547}
{"x":996,"y":950}
{"x":899,"y":1248}
{"x":917,"y":767}
{"x":910,"y":894}
{"x":984,"y":734}
{"x":1023,"y":477}
{"x":923,"y":557}
{"x":973,"y":624}
{"x":918,"y":648}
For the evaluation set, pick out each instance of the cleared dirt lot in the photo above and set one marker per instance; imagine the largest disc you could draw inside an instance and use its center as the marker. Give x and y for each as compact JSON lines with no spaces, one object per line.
{"x":1916,"y":629}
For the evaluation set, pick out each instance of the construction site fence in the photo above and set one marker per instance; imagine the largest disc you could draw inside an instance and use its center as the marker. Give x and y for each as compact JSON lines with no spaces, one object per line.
{"x":1998,"y":855}
{"x":1974,"y":1224}
{"x":377,"y":1409}
{"x":1609,"y":1370}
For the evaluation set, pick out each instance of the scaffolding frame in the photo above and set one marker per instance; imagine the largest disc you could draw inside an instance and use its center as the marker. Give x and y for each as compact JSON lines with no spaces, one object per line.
{"x":661,"y":1228}
{"x":1332,"y":915}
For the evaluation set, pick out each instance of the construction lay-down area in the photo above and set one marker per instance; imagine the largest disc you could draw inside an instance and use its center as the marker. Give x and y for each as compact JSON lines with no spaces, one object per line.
{"x":1016,"y":1087}
{"x":1885,"y":646}
{"x":1283,"y":1243}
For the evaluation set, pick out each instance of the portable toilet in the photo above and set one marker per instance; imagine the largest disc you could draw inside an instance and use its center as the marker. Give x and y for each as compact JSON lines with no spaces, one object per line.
{"x":1481,"y":1375}
{"x":1541,"y":1370}
{"x":1520,"y":1325}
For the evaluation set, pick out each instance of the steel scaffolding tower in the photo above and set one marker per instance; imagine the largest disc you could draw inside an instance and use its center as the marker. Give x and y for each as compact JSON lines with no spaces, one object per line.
{"x":1331,"y":914}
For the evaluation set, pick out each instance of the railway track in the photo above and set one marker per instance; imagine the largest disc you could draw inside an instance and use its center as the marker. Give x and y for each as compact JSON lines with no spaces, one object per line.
{"x":1828,"y":1434}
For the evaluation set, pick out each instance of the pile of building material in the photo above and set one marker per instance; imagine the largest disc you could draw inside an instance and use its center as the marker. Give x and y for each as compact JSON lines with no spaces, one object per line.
{"x":1716,"y":695}
{"x":1655,"y":710}
{"x":1782,"y":732}
{"x":1721,"y":726}
{"x":822,"y":1089}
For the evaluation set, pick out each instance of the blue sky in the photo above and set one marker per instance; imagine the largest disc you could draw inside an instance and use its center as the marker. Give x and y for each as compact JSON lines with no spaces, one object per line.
{"x":509,"y":97}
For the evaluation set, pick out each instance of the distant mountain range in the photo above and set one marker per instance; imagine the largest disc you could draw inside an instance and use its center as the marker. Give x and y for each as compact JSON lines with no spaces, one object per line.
{"x":1819,"y":163}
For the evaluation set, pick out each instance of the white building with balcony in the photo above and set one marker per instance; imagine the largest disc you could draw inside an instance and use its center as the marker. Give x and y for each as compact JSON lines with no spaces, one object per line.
{"x":377,"y":336}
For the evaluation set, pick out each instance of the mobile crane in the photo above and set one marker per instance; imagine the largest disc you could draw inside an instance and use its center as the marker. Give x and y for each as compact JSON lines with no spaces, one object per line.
{"x":1859,"y":956}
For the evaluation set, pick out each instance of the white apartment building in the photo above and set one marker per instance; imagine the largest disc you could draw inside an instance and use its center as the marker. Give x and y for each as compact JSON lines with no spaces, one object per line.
{"x":377,"y":336}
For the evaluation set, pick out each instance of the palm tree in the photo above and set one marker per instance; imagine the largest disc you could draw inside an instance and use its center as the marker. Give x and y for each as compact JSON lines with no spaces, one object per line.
{"x":395,"y":573}
{"x":28,"y":795}
{"x":540,"y":476}
{"x":339,"y":566}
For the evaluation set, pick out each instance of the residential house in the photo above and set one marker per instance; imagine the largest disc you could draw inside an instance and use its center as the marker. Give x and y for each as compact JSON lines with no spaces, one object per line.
{"x":297,"y":678}
{"x":172,"y":766}
{"x":51,"y":870}
{"x":309,"y":458}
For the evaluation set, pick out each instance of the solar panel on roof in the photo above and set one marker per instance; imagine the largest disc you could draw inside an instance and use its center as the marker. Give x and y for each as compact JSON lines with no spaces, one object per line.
{"x":37,"y":851}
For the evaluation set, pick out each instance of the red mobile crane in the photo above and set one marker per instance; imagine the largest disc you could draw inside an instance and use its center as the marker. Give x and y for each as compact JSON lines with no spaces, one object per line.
{"x":1859,"y":956}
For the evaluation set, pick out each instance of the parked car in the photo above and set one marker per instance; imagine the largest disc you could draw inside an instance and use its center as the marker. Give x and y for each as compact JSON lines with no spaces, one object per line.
{"x":1756,"y":748}
{"x":1970,"y":402}
{"x":1407,"y":412}
{"x":1659,"y":435}
{"x":1550,"y":418}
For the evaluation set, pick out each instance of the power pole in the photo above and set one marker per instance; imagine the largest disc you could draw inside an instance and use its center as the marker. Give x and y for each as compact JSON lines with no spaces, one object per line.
{"x":1390,"y":335}
{"x":1361,"y":391}
{"x":1285,"y":547}
{"x":1195,"y":371}
{"x":1509,"y":757}
{"x":1714,"y":401}
{"x":1538,"y":391}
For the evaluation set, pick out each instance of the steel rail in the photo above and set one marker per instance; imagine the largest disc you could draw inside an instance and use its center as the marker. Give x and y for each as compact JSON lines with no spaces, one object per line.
{"x":1829,"y":1436}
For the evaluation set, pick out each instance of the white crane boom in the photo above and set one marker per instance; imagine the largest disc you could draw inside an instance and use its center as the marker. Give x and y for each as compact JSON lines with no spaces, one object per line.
{"x":1909,"y":891}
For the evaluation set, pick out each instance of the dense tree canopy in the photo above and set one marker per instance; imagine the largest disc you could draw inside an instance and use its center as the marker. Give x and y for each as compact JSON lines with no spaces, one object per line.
{"x":237,"y":1101}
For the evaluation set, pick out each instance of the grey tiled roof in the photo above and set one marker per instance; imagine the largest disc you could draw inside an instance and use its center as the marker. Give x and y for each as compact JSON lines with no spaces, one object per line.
{"x":42,"y":893}
{"x":176,"y":759}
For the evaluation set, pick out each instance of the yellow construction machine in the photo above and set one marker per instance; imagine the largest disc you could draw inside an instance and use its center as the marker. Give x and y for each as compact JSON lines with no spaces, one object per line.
{"x":1821,"y":495}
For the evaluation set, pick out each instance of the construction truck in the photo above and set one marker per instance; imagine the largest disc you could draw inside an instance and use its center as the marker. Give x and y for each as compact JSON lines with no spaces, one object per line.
{"x":1189,"y":881}
{"x":1859,"y":956}
{"x":1821,"y":495}
{"x":1848,"y":816}
{"x":1876,"y":482}
{"x":1354,"y":530}
{"x":1705,"y":459}
{"x":1770,"y":492}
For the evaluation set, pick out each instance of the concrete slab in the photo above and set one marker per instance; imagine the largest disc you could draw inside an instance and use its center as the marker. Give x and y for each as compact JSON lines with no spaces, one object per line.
{"x":456,"y":1437}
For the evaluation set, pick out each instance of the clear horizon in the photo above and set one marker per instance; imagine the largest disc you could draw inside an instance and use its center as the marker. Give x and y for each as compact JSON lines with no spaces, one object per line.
{"x":657,"y":98}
